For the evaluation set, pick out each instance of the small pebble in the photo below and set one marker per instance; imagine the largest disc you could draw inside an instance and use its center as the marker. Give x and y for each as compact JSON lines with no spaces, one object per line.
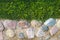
{"x":45,"y":28}
{"x":50,"y":22}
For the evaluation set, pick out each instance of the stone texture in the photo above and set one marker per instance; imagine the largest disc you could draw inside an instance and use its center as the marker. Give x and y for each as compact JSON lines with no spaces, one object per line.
{"x":30,"y":32}
{"x":10,"y":33}
{"x":50,"y":22}
{"x":9,"y":24}
{"x":1,"y":36}
{"x":45,"y":28}
{"x":40,"y":33}
{"x":1,"y":26}
{"x":53,"y":30}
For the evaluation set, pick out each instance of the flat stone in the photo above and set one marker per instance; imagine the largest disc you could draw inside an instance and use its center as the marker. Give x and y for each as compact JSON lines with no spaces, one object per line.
{"x":30,"y":32}
{"x":50,"y":22}
{"x":9,"y":24}
{"x":40,"y":33}
{"x":45,"y":28}
{"x":53,"y":30}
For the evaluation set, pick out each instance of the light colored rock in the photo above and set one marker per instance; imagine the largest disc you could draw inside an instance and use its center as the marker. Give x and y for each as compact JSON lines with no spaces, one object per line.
{"x":10,"y":33}
{"x":50,"y":22}
{"x":40,"y":33}
{"x":58,"y":24}
{"x":30,"y":33}
{"x":23,"y":24}
{"x":9,"y":24}
{"x":53,"y":30}
{"x":35,"y":23}
{"x":1,"y":26}
{"x":1,"y":36}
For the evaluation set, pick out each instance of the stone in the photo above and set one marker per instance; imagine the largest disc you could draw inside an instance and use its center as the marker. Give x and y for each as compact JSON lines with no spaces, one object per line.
{"x":50,"y":22}
{"x":23,"y":24}
{"x":40,"y":33}
{"x":9,"y":24}
{"x":47,"y":37}
{"x":21,"y":35}
{"x":10,"y":33}
{"x":58,"y":24}
{"x":35,"y":23}
{"x":53,"y":30}
{"x":1,"y":26}
{"x":45,"y":28}
{"x":1,"y":36}
{"x":30,"y":33}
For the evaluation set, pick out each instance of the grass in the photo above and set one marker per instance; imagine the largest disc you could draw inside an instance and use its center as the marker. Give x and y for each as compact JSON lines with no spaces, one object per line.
{"x":29,"y":9}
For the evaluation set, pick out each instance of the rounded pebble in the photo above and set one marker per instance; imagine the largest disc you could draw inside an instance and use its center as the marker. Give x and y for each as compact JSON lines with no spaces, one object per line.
{"x":10,"y":33}
{"x":50,"y":22}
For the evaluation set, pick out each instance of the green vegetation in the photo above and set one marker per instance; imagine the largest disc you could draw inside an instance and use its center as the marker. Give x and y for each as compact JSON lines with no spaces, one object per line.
{"x":29,"y":9}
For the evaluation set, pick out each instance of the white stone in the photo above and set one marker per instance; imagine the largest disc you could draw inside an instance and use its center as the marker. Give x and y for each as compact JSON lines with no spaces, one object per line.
{"x":10,"y":33}
{"x":30,"y":32}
